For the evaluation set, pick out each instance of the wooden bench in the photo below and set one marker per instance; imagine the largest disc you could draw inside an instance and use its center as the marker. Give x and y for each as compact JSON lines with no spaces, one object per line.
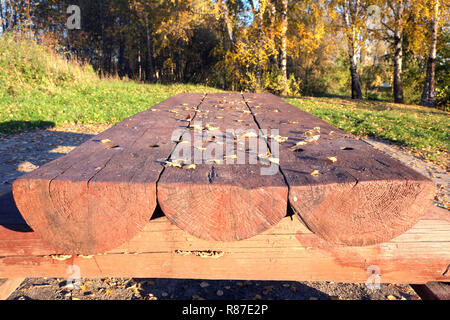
{"x":122,"y":204}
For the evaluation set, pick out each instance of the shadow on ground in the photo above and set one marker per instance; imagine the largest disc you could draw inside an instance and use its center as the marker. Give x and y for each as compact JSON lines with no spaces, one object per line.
{"x":16,"y":126}
{"x":25,"y":151}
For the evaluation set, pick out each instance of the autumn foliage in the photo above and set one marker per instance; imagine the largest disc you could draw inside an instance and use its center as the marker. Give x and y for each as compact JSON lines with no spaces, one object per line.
{"x":376,"y":49}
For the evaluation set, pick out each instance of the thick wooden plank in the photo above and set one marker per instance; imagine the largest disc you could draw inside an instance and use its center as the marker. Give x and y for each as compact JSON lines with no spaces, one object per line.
{"x":224,"y":199}
{"x":8,"y":286}
{"x":102,"y":193}
{"x":288,"y":251}
{"x":433,"y":290}
{"x":342,"y":188}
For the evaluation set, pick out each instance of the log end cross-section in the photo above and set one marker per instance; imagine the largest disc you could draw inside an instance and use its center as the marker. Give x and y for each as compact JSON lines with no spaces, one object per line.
{"x":222,"y":210}
{"x":342,"y":188}
{"x":103,"y":193}
{"x":219,"y":201}
{"x":362,"y":213}
{"x":78,"y":217}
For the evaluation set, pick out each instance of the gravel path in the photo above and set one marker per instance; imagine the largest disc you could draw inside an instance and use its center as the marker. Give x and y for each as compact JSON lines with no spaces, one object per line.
{"x":23,"y":152}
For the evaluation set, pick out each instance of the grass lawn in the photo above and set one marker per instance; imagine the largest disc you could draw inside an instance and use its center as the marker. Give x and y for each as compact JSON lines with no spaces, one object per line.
{"x":95,"y":102}
{"x":421,"y":130}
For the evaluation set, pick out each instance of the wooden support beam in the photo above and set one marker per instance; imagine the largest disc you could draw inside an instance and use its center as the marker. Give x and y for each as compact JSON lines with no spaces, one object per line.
{"x":8,"y":286}
{"x":433,"y":290}
{"x":343,"y":189}
{"x":287,"y":251}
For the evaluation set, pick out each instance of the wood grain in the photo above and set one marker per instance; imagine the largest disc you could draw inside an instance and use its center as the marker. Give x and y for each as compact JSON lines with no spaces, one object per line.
{"x":8,"y":286}
{"x":222,"y":200}
{"x":362,"y":198}
{"x":433,"y":290}
{"x":103,"y":192}
{"x":288,"y":251}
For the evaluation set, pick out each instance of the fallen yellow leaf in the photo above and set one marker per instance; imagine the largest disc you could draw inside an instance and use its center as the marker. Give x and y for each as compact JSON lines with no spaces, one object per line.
{"x":84,"y":287}
{"x":280,"y":139}
{"x":315,"y":173}
{"x":263,"y":156}
{"x":109,"y":291}
{"x":211,"y":128}
{"x":173,"y":164}
{"x":274,"y":160}
{"x":250,"y":134}
{"x":313,"y":138}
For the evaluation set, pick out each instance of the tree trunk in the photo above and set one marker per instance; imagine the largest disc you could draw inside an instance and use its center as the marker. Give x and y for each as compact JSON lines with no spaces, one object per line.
{"x":258,"y":16}
{"x":398,"y":84}
{"x":228,"y":24}
{"x":2,"y":20}
{"x":356,"y":87}
{"x":284,"y":24}
{"x":428,"y":89}
{"x":149,"y":69}
{"x":140,"y":66}
{"x":121,"y":61}
{"x":398,"y":54}
{"x":9,"y":17}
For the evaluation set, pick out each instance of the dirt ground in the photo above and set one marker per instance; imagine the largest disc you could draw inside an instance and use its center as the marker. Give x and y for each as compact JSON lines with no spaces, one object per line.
{"x":23,"y":152}
{"x":184,"y":289}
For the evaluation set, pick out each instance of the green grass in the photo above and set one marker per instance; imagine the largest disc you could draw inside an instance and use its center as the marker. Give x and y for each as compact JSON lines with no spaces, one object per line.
{"x":96,"y":102}
{"x":423,"y":131}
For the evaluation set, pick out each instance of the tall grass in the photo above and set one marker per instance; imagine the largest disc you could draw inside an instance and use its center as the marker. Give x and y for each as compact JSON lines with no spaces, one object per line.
{"x":37,"y":87}
{"x":26,"y":65}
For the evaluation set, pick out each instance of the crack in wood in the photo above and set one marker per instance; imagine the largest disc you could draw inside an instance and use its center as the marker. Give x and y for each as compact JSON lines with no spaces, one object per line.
{"x":211,"y":175}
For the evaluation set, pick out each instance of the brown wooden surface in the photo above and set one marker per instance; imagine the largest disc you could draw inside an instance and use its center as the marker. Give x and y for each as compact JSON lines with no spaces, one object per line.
{"x":8,"y":286}
{"x":222,"y":200}
{"x":288,"y":251}
{"x":102,"y":193}
{"x":363,"y":198}
{"x":433,"y":290}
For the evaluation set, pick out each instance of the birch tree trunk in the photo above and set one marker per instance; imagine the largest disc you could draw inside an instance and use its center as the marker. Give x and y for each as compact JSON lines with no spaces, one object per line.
{"x":398,"y":53}
{"x":284,"y":24}
{"x":226,"y":16}
{"x":351,"y":38}
{"x":428,"y":89}
{"x":149,"y":74}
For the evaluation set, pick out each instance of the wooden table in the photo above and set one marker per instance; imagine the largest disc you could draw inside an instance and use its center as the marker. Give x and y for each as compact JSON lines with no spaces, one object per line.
{"x":121,"y":205}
